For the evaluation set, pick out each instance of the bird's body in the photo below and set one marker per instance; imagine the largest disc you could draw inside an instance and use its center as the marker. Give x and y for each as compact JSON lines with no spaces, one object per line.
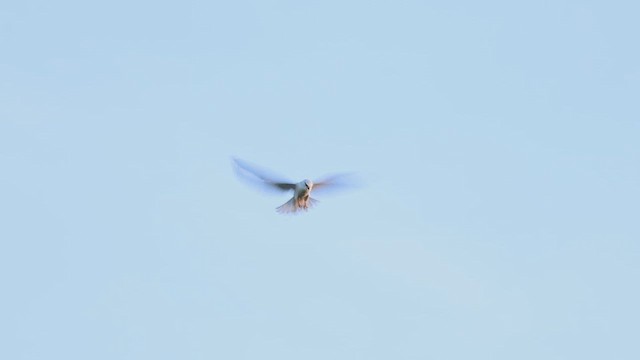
{"x":301,"y":199}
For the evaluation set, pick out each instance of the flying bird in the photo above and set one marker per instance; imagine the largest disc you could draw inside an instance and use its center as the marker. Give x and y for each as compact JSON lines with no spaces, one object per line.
{"x":301,"y":199}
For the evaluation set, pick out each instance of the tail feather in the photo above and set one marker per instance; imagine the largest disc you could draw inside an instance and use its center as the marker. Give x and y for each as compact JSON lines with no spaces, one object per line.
{"x":292,"y":206}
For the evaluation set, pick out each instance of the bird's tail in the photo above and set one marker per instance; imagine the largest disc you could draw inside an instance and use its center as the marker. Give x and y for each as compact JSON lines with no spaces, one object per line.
{"x":292,"y":206}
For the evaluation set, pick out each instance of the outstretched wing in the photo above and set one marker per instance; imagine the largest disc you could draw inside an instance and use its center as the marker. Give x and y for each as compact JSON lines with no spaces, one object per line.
{"x":261,"y":177}
{"x":335,"y":182}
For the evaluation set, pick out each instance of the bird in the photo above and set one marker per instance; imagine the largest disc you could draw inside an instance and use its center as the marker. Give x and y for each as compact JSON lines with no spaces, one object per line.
{"x":301,"y":199}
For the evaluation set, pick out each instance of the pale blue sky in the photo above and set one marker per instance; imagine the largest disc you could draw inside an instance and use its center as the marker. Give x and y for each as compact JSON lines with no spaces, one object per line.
{"x":499,"y":142}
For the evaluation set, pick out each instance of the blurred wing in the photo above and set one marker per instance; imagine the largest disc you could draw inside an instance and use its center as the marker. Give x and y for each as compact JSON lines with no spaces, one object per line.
{"x":335,"y":182}
{"x":260,"y":176}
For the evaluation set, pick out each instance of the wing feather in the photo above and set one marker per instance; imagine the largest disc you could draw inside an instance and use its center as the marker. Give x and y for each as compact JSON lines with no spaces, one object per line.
{"x":260,"y":176}
{"x":335,"y":182}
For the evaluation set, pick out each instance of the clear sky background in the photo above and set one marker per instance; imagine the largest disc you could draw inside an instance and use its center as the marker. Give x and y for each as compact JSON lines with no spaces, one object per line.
{"x":499,"y":143}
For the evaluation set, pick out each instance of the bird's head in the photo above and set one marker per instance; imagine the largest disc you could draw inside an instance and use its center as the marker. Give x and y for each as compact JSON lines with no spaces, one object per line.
{"x":308,"y":184}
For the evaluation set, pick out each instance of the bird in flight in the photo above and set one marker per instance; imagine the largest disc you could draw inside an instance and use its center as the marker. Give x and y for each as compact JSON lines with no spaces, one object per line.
{"x":301,"y":199}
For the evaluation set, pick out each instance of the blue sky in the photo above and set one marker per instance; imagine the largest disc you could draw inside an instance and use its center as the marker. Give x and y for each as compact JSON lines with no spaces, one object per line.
{"x":498,"y":143}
